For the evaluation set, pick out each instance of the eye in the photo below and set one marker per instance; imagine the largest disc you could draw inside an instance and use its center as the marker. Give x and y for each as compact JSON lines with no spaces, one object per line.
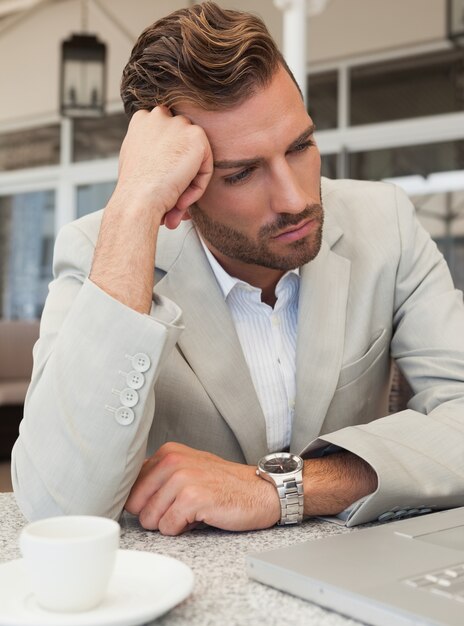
{"x":301,"y":147}
{"x":240,"y":177}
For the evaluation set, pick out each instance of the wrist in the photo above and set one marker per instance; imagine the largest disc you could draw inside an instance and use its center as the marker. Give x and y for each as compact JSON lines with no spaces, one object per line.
{"x":271,"y":501}
{"x":129,"y":204}
{"x":127,"y":239}
{"x":284,"y":471}
{"x":334,"y":482}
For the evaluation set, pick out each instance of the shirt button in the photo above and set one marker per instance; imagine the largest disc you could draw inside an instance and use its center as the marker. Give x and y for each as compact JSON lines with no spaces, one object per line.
{"x":135,"y":379}
{"x":129,"y":397}
{"x":141,"y":362}
{"x":124,"y":415}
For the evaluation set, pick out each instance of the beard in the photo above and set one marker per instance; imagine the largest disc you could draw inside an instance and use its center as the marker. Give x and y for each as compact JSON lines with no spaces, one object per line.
{"x":239,"y":246}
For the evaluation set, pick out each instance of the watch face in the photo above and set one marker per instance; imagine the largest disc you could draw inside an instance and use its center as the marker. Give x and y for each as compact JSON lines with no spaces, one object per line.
{"x":281,"y":463}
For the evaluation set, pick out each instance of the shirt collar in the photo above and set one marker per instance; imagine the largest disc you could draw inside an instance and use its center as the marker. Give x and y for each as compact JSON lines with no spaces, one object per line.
{"x":228,"y":282}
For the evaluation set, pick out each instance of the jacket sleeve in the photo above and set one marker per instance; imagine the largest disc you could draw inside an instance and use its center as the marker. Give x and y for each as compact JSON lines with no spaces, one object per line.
{"x":76,"y":452}
{"x":418,"y":453}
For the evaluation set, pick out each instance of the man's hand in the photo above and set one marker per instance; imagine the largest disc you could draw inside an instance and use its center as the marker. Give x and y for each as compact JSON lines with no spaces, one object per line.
{"x":165,"y":165}
{"x":179,"y":487}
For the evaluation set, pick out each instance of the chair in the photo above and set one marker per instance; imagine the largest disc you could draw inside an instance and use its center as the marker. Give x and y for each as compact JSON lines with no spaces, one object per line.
{"x":400,"y":392}
{"x":17,"y":338}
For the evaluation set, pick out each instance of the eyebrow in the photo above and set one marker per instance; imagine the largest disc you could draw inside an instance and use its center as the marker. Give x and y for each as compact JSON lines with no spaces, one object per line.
{"x":238,"y":163}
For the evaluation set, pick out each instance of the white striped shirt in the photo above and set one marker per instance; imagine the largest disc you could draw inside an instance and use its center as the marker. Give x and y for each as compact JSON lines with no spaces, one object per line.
{"x":268,"y":339}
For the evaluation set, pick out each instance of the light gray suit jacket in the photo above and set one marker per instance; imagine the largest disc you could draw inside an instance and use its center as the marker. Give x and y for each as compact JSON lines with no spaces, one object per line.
{"x":378,"y":290}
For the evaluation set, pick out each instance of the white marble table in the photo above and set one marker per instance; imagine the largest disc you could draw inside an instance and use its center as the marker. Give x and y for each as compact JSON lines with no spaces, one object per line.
{"x":223,"y":594}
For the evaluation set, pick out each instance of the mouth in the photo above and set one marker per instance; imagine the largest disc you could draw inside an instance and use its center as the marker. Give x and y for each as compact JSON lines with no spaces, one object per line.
{"x":296,"y":232}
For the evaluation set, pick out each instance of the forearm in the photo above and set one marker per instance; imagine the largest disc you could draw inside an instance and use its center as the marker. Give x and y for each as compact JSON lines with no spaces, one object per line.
{"x":123,"y":264}
{"x":417,"y":457}
{"x":334,"y":482}
{"x":165,"y":165}
{"x":72,"y":455}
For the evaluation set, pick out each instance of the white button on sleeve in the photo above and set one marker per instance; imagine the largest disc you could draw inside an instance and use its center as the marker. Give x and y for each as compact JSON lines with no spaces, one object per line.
{"x":129,"y":397}
{"x":135,"y":379}
{"x":141,"y":362}
{"x":124,"y":415}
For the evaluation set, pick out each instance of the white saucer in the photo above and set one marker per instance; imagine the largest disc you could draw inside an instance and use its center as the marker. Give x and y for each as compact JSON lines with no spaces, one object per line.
{"x":143,"y":587}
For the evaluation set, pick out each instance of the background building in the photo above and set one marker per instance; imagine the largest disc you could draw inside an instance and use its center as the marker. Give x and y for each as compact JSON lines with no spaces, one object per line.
{"x":385,"y":88}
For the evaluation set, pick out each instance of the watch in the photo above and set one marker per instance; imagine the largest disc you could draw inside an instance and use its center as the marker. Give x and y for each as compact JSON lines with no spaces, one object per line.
{"x":285,"y":471}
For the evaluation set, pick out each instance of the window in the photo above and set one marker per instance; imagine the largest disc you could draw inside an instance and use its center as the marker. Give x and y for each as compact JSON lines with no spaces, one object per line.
{"x":26,"y":247}
{"x":30,"y":148}
{"x":442,"y":214}
{"x":453,"y":251}
{"x":329,"y":165}
{"x":421,"y":160}
{"x":93,"y":197}
{"x":99,"y":137}
{"x":407,"y":87}
{"x":322,"y":99}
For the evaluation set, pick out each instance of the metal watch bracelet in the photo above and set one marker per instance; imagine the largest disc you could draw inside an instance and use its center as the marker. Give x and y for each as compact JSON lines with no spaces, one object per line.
{"x":291,"y":501}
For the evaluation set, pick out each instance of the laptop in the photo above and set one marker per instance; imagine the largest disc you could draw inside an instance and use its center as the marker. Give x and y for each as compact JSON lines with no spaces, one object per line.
{"x":400,"y":573}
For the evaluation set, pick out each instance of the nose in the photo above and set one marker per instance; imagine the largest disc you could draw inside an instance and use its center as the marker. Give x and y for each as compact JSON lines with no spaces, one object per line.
{"x":286,"y":192}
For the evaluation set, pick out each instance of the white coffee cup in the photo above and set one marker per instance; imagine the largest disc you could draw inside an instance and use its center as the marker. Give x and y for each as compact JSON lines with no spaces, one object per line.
{"x":69,"y":560}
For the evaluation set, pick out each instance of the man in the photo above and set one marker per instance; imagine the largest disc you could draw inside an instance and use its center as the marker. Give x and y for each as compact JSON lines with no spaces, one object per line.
{"x":290,"y":325}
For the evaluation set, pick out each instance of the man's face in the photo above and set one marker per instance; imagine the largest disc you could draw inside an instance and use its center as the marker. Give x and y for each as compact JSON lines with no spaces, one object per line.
{"x":262,"y":207}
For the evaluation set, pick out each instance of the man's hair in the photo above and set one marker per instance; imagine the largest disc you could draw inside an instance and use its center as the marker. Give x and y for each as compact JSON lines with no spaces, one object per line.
{"x":206,"y":55}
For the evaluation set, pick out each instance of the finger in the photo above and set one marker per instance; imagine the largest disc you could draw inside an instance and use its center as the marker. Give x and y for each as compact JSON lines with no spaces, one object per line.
{"x":201,"y":180}
{"x":155,"y":507}
{"x":156,"y":472}
{"x":159,"y":504}
{"x":163,"y":109}
{"x":192,"y":194}
{"x":172,"y":447}
{"x":146,"y":484}
{"x":194,"y":191}
{"x":139,"y":115}
{"x":183,"y":513}
{"x":173,"y":218}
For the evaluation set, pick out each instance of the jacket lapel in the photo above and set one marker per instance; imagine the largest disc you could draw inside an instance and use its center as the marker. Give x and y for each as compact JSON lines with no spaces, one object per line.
{"x":320,"y":338}
{"x":211,"y":346}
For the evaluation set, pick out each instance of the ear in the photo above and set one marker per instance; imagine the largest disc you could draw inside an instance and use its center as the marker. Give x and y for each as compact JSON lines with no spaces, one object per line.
{"x":186,"y":216}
